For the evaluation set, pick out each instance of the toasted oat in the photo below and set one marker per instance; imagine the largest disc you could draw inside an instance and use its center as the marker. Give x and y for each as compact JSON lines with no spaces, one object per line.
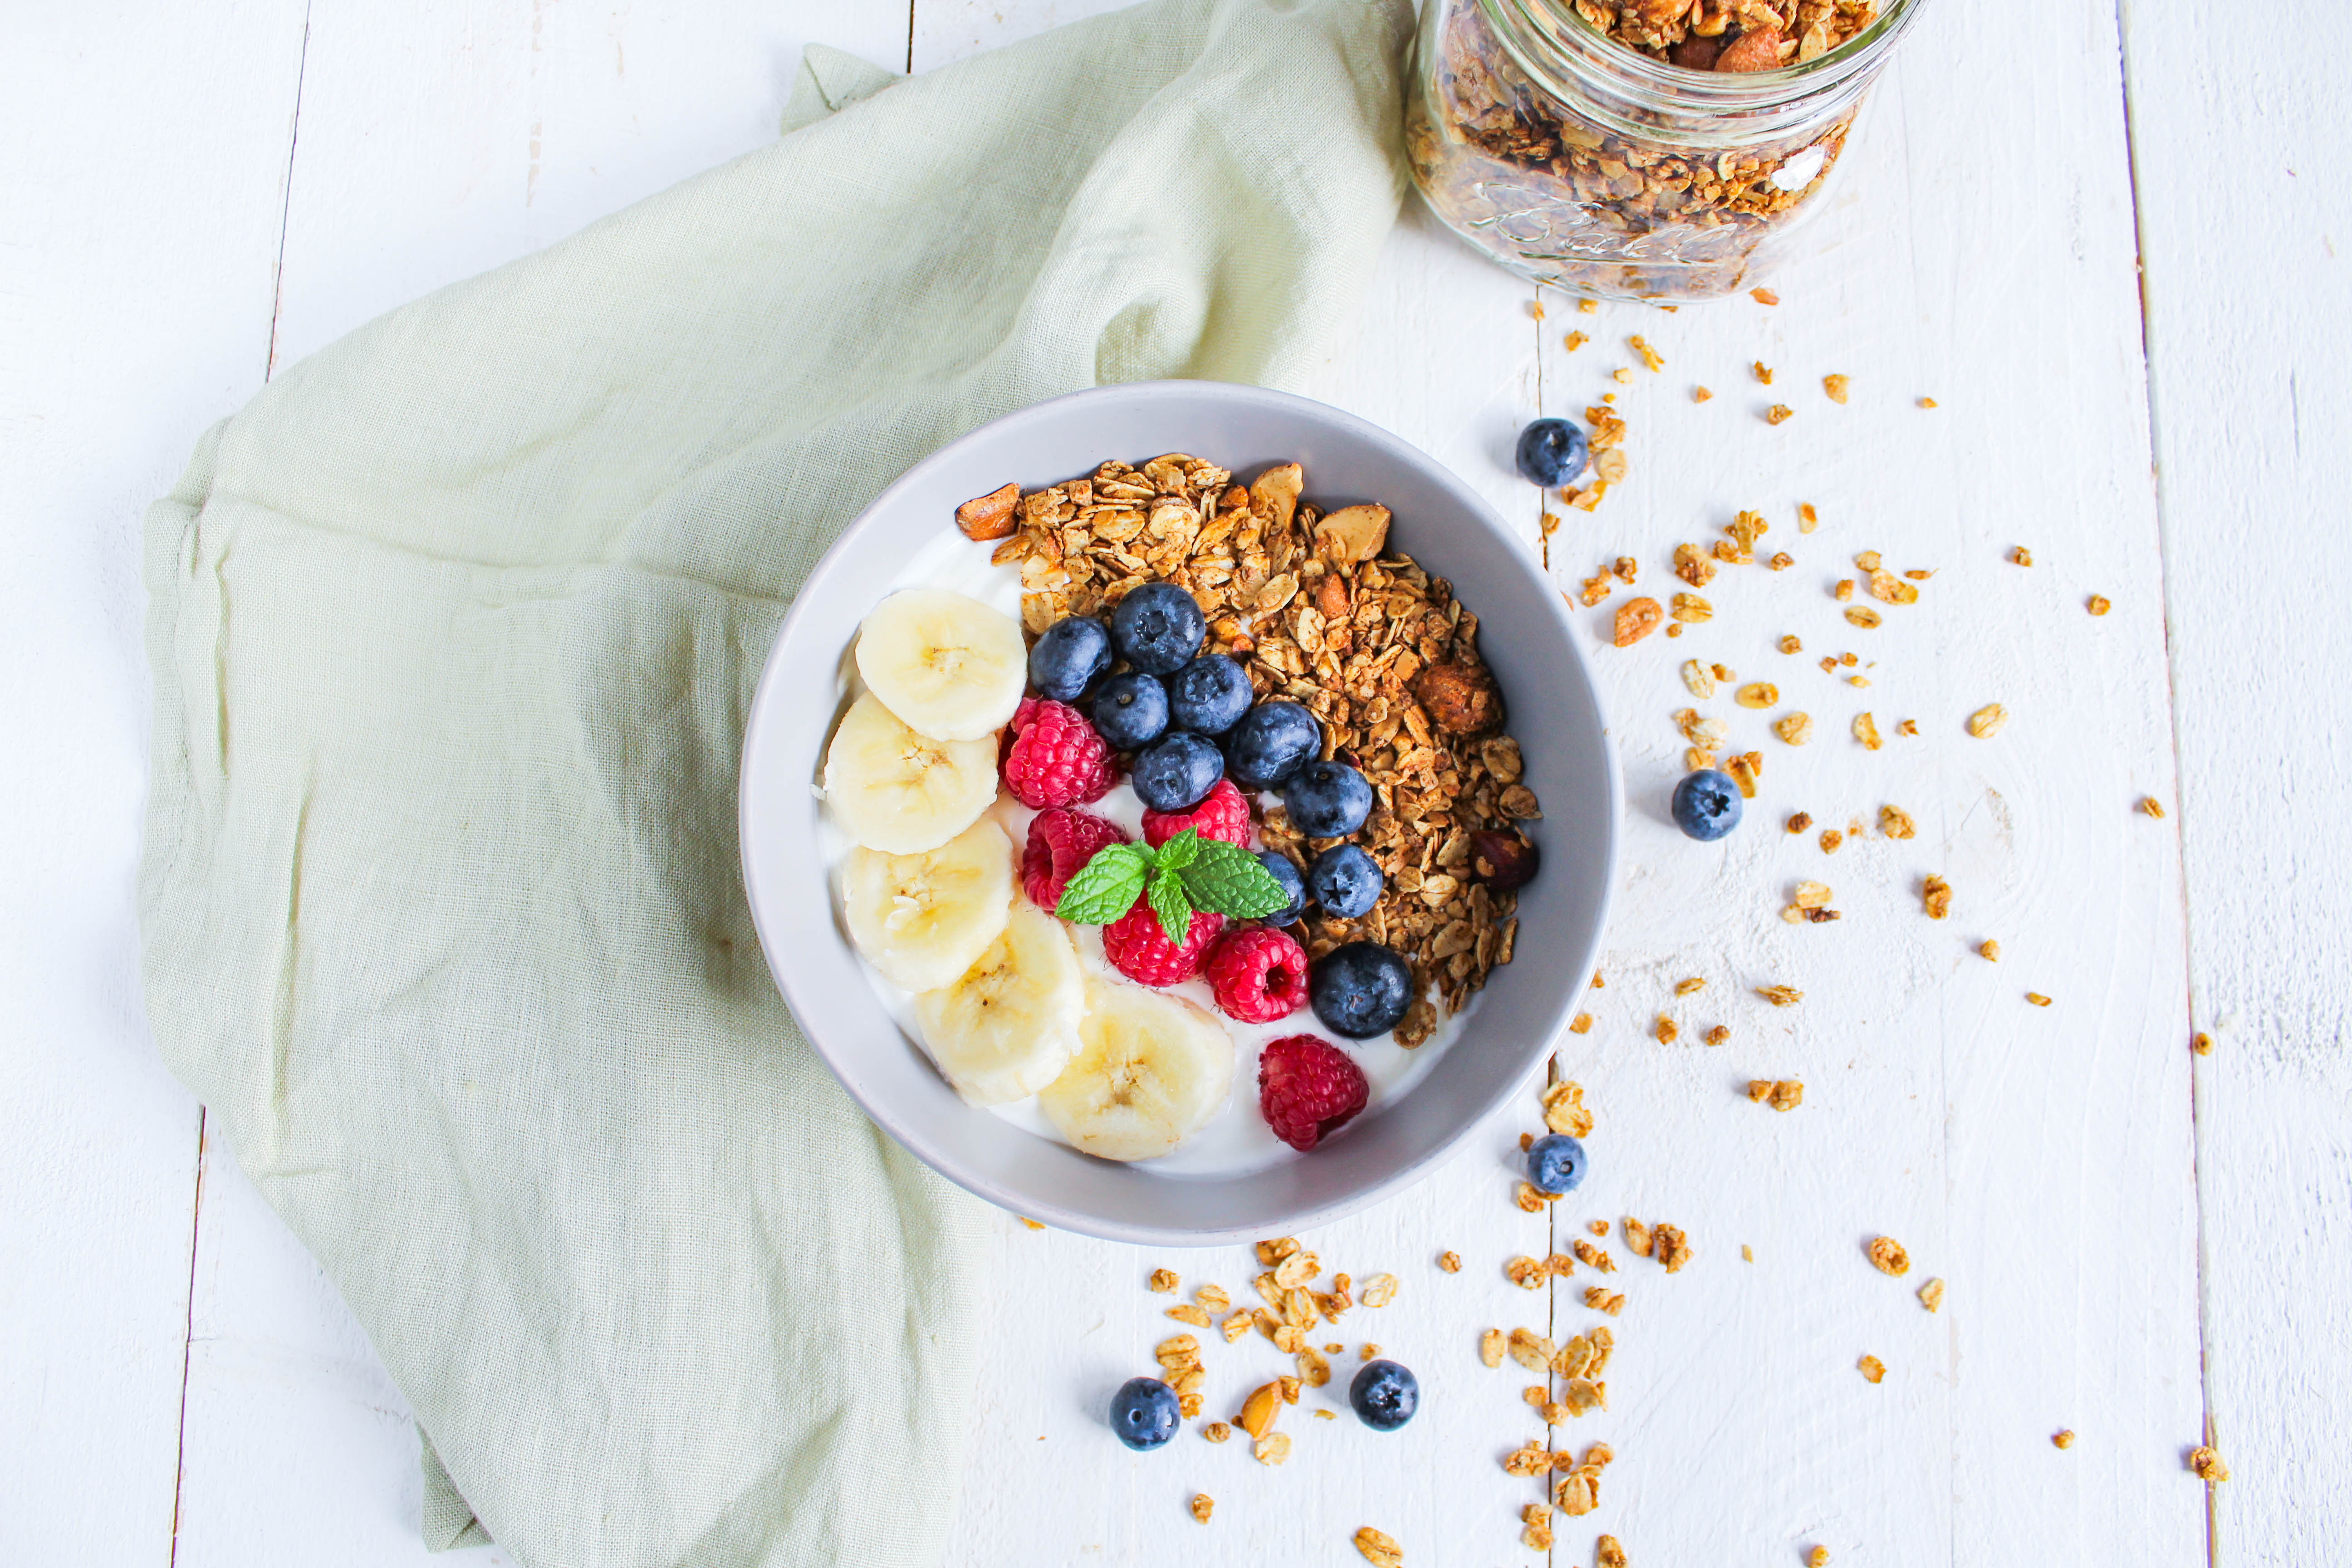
{"x":1887,"y":1255}
{"x":1781,"y":1094}
{"x":1527,"y":1273}
{"x":1780,"y":995}
{"x":2037,"y":999}
{"x":1216,"y":1432}
{"x":1896,"y":823}
{"x":1779,"y":413}
{"x":1927,"y":403}
{"x":1622,"y":376}
{"x":1534,"y":1396}
{"x":2062,"y":1438}
{"x":2151,"y":806}
{"x":1490,"y":1347}
{"x":1185,"y":1313}
{"x":1608,"y":1553}
{"x":1836,"y":386}
{"x":1650,"y":356}
{"x":1686,"y":986}
{"x":1636,"y":618}
{"x":1529,"y":1199}
{"x":1564,"y":1109}
{"x":1271,"y":1449}
{"x":1843,"y":591}
{"x":1672,"y":1247}
{"x":1744,"y":769}
{"x":1638,"y":1239}
{"x":1990,"y":951}
{"x":2097,"y":604}
{"x":1796,"y":729}
{"x":1757,"y":694}
{"x":1931,"y":1294}
{"x":1560,"y":1265}
{"x":1830,"y":839}
{"x":1863,"y":616}
{"x":1808,"y":519}
{"x":1236,"y":1325}
{"x":1535,"y":1531}
{"x":1667,"y":1030}
{"x":1574,"y":341}
{"x":1689,"y":609}
{"x":2020,"y":555}
{"x":1270,"y":1253}
{"x":1866,"y":730}
{"x":1594,"y":1258}
{"x":1716,"y":1035}
{"x":1163,"y":1279}
{"x":1799,"y":821}
{"x":1610,"y":1301}
{"x":1746,"y":1253}
{"x":2207,"y":1465}
{"x":1202,"y":1503}
{"x":1908,"y":727}
{"x":1872,"y":1369}
{"x":1985,"y":721}
{"x":2201,"y":1043}
{"x":1763,"y":371}
{"x":1935,"y":897}
{"x":1368,"y":1351}
{"x":1818,"y":1557}
{"x":1580,"y":1025}
{"x":1314,"y":1371}
{"x":1449,"y":1262}
{"x":1032,"y":1224}
{"x":1530,"y":1458}
{"x":1697,"y":680}
{"x":1213,"y":1298}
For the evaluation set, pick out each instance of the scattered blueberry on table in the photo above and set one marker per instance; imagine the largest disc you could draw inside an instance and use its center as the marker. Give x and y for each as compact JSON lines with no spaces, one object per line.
{"x":1144,"y":1413}
{"x":1177,"y":772}
{"x":1384,"y":1394}
{"x":1131,"y":710}
{"x":1551,"y":452}
{"x":1360,"y":989}
{"x":1328,"y":799}
{"x":1555,"y":1163}
{"x":1208,"y":696}
{"x":1278,"y":866}
{"x":1346,"y":881}
{"x":1068,"y":656}
{"x":1157,"y":627}
{"x":1706,"y":805}
{"x":1271,"y":742}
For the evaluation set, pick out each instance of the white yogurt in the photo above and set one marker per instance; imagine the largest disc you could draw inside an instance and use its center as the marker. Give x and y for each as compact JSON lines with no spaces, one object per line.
{"x":1236,"y":1139}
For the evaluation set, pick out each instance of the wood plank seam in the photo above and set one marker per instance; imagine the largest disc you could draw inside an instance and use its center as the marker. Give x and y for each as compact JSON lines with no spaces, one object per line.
{"x":187,"y":1342}
{"x":286,"y":198}
{"x":2172,"y":715}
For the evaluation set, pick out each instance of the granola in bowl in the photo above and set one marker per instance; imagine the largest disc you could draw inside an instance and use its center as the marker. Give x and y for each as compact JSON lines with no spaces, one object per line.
{"x":1186,"y":1033}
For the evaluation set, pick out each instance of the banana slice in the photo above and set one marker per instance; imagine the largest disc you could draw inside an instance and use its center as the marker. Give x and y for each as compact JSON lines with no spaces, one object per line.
{"x":1010,"y":1024}
{"x":923,"y":920}
{"x":1151,"y":1069}
{"x":899,"y":792}
{"x":947,"y":665}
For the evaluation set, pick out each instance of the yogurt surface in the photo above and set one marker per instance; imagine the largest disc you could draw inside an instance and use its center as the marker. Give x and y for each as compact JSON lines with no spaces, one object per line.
{"x":1236,"y":1139}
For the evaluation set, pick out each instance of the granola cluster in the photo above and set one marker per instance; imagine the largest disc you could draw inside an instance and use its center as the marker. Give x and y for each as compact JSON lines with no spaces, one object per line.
{"x":1317,"y":610}
{"x":1576,"y":201}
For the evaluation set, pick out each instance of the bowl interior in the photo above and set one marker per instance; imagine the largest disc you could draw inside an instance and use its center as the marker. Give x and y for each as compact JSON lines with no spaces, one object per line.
{"x":1555,"y":713}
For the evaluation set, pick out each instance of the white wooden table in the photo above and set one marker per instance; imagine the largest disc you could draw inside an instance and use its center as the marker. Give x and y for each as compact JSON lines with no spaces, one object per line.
{"x":2113,"y":248}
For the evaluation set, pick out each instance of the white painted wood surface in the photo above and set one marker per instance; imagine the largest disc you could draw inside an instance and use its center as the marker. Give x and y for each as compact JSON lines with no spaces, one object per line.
{"x":224,"y":1408}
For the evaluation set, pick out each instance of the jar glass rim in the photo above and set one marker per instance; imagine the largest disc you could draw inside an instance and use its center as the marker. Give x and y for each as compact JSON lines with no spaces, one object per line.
{"x":1574,"y":44}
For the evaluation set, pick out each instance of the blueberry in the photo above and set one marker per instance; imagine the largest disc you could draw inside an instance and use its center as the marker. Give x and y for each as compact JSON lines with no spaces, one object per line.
{"x":1384,"y":1394}
{"x":1130,"y":710}
{"x":1067,"y":659}
{"x":1157,"y":627}
{"x":1706,"y":805}
{"x":1555,"y":1163}
{"x":1360,"y":989}
{"x":1176,"y":773}
{"x":1208,"y":696}
{"x":1346,"y":881}
{"x":1144,"y":1413}
{"x":1271,"y":743}
{"x":1551,"y":452}
{"x":1278,"y":866}
{"x":1327,"y":800}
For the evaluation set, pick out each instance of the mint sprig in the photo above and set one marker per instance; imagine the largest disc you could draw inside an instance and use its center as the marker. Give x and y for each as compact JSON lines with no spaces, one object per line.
{"x":1187,"y":873}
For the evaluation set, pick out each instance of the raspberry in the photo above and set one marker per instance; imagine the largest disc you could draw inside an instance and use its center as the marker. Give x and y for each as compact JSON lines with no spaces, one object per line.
{"x":1222,"y":814}
{"x":1259,"y":975}
{"x":1308,"y":1087}
{"x":1139,"y":949}
{"x":1060,"y":841}
{"x":1056,"y":758}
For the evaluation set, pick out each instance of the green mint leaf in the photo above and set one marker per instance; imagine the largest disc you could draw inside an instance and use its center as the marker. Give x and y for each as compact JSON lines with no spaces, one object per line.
{"x":1166,"y":894}
{"x":1180,"y":851}
{"x":1229,"y":880}
{"x":1105,"y":887}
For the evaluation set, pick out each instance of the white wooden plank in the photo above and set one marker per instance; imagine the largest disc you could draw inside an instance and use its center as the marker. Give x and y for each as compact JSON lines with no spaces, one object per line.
{"x":2244,"y":233}
{"x":434,"y":141}
{"x":135,"y":278}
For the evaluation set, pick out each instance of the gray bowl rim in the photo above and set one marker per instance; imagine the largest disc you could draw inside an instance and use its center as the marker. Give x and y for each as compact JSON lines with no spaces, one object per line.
{"x":1042,"y":1209}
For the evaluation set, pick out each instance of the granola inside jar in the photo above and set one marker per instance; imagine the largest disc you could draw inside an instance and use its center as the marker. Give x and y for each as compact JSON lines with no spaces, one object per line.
{"x":1657,"y":149}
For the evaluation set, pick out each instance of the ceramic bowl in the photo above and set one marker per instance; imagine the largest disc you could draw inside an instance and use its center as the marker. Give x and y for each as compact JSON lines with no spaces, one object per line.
{"x":1555,"y":709}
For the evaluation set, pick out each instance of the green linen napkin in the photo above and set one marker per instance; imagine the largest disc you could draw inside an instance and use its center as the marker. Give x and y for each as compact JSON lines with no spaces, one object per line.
{"x":453,"y":630}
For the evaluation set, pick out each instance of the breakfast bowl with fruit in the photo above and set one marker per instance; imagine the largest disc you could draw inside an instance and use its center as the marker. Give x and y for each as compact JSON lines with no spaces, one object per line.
{"x":1179,"y":812}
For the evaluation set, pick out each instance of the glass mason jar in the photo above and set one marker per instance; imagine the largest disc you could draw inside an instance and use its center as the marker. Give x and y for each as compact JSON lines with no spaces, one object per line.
{"x":1578,"y":161}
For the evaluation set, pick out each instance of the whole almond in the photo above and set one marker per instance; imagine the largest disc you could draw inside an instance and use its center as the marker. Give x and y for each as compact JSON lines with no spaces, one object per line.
{"x":1758,"y":50}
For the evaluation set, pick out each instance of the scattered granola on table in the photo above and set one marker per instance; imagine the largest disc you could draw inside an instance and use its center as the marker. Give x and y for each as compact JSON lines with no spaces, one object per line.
{"x":1887,"y":1256}
{"x":2207,"y":1465}
{"x":1872,"y":1369}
